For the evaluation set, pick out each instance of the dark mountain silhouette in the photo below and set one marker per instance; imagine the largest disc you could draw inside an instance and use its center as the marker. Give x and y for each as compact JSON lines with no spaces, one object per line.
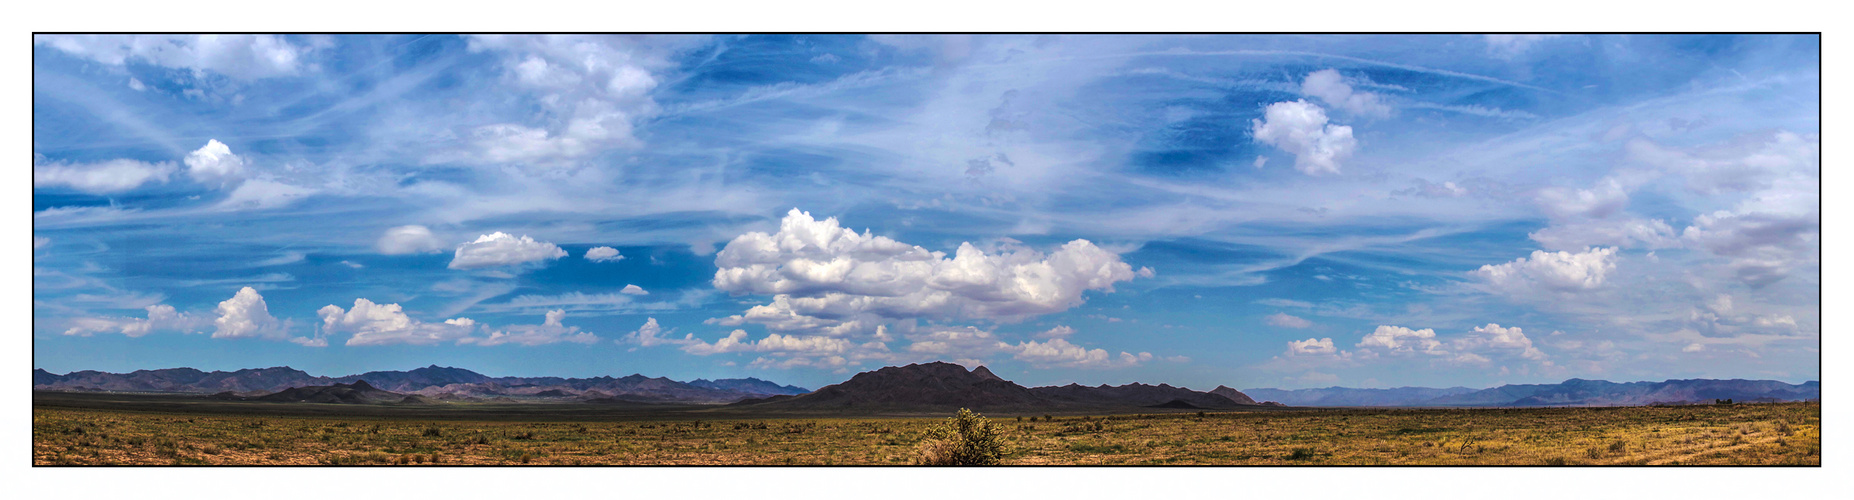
{"x":418,"y":400}
{"x":1573,"y":392}
{"x":942,"y":386}
{"x":1134,"y":394}
{"x":1233,"y":395}
{"x":359,"y":392}
{"x":180,"y":380}
{"x":432,"y":381}
{"x":748,"y":385}
{"x":418,"y":378}
{"x":932,"y":385}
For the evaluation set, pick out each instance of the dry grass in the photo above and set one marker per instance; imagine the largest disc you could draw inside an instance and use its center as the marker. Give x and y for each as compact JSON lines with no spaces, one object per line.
{"x":1761,"y":434}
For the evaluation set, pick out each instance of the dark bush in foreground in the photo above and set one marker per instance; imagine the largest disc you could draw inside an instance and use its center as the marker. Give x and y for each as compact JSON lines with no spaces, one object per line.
{"x":965,"y":439}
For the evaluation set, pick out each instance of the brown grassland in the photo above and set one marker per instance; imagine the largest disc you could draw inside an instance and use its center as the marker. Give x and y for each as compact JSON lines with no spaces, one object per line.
{"x":1745,"y":434}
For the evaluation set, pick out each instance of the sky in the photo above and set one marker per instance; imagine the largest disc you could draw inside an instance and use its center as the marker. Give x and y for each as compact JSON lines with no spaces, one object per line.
{"x":1250,"y":211}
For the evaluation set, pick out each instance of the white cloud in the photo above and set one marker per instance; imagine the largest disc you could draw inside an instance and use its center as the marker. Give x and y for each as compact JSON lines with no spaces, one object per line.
{"x":502,"y":249}
{"x":831,"y":280}
{"x":1397,"y":339}
{"x":161,"y":317}
{"x":1745,"y":163}
{"x":633,"y":290}
{"x":1061,"y":353}
{"x":652,"y":334}
{"x":736,"y":341}
{"x":603,"y":254}
{"x":592,"y":91}
{"x":1301,"y":128}
{"x":40,"y":242}
{"x":550,"y":331}
{"x":237,"y":56}
{"x":1616,"y":232}
{"x":1287,"y":321}
{"x":1060,"y":331}
{"x":1606,"y":198}
{"x":105,"y":177}
{"x":376,"y":324}
{"x":966,"y":341}
{"x":1552,"y":271}
{"x":245,"y":315}
{"x":1312,"y":347}
{"x":409,"y":240}
{"x":215,"y":165}
{"x":1495,"y":339}
{"x":1330,"y":87}
{"x":263,"y":194}
{"x":1763,"y":247}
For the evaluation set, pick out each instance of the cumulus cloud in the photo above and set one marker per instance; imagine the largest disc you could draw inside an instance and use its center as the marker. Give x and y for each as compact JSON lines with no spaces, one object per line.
{"x":412,"y":239}
{"x":246,"y":315}
{"x":377,"y":324}
{"x":804,"y":346}
{"x":550,"y":331}
{"x":1061,"y":353}
{"x":1493,"y":338}
{"x":830,"y":280}
{"x":215,"y":165}
{"x":1330,"y":87}
{"x":1301,"y":128}
{"x":1060,"y":331}
{"x":237,"y":56}
{"x":1287,"y":321}
{"x":633,"y":290}
{"x":160,"y":317}
{"x":1397,"y":339}
{"x":603,"y":254}
{"x":1312,"y":347}
{"x":1551,"y":271}
{"x":501,"y":249}
{"x":40,"y":242}
{"x":652,"y":334}
{"x":105,"y":177}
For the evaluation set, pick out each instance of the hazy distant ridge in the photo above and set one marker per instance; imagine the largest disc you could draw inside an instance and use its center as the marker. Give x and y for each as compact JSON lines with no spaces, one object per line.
{"x":1573,"y":392}
{"x":429,"y":381}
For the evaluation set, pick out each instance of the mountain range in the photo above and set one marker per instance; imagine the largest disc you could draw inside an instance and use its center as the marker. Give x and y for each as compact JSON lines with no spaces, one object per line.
{"x":942,"y":386}
{"x":925,"y":387}
{"x":1573,"y":392}
{"x":436,"y":382}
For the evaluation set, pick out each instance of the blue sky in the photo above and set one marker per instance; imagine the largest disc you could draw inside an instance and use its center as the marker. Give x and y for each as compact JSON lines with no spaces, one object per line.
{"x":1251,"y":211}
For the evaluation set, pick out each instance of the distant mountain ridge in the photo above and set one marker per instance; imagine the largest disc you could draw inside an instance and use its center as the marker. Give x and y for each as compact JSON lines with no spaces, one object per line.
{"x":1572,"y":392}
{"x":940,"y":386}
{"x":431,"y":381}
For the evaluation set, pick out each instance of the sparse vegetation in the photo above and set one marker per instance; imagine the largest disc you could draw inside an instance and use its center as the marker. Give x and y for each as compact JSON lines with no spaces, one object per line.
{"x":966,"y":438}
{"x":1739,"y":434}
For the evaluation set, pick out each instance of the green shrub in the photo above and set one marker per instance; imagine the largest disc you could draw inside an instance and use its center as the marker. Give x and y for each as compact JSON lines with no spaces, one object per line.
{"x":966,"y":438}
{"x":1301,"y":453}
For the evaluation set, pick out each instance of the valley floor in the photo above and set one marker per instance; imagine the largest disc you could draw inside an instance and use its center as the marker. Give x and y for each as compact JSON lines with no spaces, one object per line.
{"x":1748,"y":434}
